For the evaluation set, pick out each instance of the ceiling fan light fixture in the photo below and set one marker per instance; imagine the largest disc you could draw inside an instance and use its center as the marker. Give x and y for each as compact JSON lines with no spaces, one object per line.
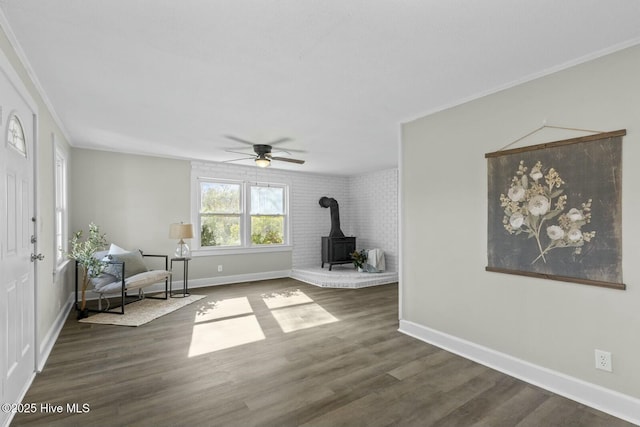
{"x":262,"y":161}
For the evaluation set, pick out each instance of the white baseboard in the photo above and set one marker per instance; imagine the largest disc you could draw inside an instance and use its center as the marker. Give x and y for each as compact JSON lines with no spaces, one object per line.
{"x":225,"y":280}
{"x":238,"y":278}
{"x":211,"y":281}
{"x":45,"y":347}
{"x":603,"y":399}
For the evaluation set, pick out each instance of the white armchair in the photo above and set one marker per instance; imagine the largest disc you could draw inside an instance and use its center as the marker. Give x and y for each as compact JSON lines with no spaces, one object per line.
{"x":126,"y":272}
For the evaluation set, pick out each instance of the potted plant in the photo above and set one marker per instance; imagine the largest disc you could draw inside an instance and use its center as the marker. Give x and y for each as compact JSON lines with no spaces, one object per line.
{"x":83,"y":251}
{"x":359,"y":259}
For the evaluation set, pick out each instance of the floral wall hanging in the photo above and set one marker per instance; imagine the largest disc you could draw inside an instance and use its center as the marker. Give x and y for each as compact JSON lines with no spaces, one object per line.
{"x":554,"y":210}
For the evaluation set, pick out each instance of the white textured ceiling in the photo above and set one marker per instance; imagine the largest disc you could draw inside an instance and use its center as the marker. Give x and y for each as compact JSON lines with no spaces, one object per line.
{"x":170,"y":78}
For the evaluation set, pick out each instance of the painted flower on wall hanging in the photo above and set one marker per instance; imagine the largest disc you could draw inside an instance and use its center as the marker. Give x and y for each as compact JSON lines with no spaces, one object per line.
{"x":534,"y":206}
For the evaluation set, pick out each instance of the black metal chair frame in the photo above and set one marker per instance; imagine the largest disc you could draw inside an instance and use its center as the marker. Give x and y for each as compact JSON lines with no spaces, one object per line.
{"x":124,"y":297}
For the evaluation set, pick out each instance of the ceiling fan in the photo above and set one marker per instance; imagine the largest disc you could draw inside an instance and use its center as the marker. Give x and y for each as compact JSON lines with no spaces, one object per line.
{"x":264,"y":153}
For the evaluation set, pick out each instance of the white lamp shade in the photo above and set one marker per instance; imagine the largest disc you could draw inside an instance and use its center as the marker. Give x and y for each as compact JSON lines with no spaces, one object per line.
{"x":180,"y":231}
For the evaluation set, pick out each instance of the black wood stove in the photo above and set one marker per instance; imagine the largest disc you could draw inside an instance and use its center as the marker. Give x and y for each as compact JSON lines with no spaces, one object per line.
{"x":336,"y":247}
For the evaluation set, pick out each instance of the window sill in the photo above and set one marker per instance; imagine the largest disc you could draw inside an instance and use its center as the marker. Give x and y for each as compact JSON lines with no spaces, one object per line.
{"x":240,"y":251}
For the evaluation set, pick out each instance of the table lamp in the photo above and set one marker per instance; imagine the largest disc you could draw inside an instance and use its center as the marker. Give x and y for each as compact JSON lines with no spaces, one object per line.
{"x":181,"y":231}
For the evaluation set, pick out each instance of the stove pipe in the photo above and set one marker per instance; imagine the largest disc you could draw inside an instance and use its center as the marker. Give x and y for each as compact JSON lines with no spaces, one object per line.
{"x":332,"y":204}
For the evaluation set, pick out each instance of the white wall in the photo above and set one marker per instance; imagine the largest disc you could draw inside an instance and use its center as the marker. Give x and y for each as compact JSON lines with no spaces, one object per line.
{"x":132,"y":198}
{"x":444,"y":287}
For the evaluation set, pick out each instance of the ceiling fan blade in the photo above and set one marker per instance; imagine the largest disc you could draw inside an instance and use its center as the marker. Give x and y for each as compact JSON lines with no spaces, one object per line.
{"x":236,"y":160}
{"x":288,"y":151}
{"x":288,"y":159}
{"x":279,"y":141}
{"x":278,"y":152}
{"x":235,"y":138}
{"x":238,"y":152}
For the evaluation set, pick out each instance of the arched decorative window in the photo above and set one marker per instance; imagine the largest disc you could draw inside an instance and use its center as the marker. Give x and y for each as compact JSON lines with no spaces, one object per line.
{"x":15,"y":135}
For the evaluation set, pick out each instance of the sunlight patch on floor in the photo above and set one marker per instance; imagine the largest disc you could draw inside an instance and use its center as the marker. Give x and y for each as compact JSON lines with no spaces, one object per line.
{"x":285,"y":298}
{"x":221,"y":334}
{"x":223,"y":308}
{"x":231,"y":322}
{"x":302,"y":317}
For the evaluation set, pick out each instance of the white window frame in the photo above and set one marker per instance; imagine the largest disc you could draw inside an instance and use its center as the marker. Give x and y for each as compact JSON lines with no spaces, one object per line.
{"x":240,"y":214}
{"x":60,"y":203}
{"x":246,"y":246}
{"x":285,"y":213}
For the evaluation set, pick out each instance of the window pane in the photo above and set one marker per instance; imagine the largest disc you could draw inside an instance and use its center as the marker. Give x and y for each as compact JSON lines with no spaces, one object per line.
{"x":60,"y":247}
{"x":220,"y":230}
{"x":61,"y":244}
{"x":15,"y":136}
{"x":59,"y":182}
{"x":267,"y":200}
{"x":219,"y":197}
{"x":267,"y":230}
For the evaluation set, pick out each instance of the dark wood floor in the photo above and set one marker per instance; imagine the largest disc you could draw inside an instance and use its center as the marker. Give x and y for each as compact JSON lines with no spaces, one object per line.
{"x":352,"y":369}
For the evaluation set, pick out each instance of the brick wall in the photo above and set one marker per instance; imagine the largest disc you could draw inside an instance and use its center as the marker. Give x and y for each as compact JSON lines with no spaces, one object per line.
{"x":374,"y":213}
{"x":310,"y":221}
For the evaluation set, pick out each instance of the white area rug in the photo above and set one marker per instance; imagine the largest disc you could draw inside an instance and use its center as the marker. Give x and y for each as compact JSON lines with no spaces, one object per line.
{"x":141,"y":312}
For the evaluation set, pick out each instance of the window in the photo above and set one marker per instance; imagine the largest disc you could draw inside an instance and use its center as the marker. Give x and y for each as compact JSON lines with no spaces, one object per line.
{"x":60,"y":221}
{"x":240,"y":215}
{"x":267,"y":215}
{"x":220,"y":214}
{"x":15,"y":135}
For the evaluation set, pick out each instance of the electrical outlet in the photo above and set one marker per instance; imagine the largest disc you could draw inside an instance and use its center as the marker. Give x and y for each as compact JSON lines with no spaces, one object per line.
{"x":220,"y":268}
{"x":603,"y":361}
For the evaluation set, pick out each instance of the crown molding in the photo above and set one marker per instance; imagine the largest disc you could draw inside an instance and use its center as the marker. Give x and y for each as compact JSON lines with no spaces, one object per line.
{"x":526,"y":79}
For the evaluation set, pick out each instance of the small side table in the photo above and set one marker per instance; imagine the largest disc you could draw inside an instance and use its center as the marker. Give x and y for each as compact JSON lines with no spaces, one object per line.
{"x":185,"y":280}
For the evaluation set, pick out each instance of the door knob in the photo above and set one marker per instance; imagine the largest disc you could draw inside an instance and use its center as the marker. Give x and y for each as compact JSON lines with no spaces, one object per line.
{"x":35,"y":257}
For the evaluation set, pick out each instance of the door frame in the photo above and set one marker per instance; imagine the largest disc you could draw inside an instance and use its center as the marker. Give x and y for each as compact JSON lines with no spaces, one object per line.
{"x":36,"y":242}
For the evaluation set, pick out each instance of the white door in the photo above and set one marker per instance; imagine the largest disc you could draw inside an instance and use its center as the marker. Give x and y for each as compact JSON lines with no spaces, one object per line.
{"x":17,"y":329}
